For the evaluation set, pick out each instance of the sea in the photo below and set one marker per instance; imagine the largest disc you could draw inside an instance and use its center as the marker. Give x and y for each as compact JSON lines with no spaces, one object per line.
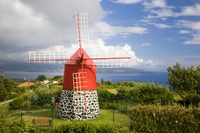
{"x":155,"y":77}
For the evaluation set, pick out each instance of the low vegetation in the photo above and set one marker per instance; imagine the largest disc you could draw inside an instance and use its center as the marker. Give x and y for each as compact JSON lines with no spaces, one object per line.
{"x":165,"y":119}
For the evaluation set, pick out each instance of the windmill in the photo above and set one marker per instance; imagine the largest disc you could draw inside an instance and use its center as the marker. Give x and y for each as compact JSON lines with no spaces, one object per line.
{"x":79,"y":100}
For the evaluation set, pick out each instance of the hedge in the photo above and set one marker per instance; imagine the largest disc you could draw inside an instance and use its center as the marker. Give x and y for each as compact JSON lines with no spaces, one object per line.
{"x":165,"y":119}
{"x":75,"y":127}
{"x":85,"y":128}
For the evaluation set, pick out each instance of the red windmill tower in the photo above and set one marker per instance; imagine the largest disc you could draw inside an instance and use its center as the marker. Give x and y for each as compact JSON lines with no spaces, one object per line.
{"x":79,"y":100}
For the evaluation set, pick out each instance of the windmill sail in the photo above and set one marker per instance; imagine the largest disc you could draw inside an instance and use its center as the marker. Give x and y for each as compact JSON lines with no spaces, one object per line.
{"x":48,"y":56}
{"x":83,"y":31}
{"x":112,"y":63}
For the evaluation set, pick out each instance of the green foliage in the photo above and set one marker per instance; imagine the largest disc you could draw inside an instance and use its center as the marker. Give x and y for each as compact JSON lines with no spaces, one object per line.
{"x":20,"y":102}
{"x":134,"y":93}
{"x":17,"y":127}
{"x":165,"y":119}
{"x":41,"y":99}
{"x":85,"y":128}
{"x":37,"y":129}
{"x":151,"y":94}
{"x":185,"y":82}
{"x":7,"y":88}
{"x":42,"y":95}
{"x":105,"y":97}
{"x":3,"y":92}
{"x":4,"y":119}
{"x":41,"y":78}
{"x":58,"y":78}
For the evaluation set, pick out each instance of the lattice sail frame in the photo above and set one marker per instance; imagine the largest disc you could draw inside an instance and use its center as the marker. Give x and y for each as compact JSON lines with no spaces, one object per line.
{"x":82,"y":30}
{"x":112,"y":63}
{"x":48,"y":56}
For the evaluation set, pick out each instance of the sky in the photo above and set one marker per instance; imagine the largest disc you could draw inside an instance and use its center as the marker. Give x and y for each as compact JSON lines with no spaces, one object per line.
{"x":154,"y":33}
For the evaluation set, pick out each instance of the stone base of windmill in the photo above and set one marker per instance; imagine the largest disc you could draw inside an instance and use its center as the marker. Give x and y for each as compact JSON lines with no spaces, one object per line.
{"x":78,"y":105}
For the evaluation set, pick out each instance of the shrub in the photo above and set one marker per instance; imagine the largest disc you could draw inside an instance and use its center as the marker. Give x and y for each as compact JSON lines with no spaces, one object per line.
{"x":4,"y":119}
{"x":20,"y":102}
{"x":165,"y":119}
{"x":144,"y":93}
{"x":85,"y":128}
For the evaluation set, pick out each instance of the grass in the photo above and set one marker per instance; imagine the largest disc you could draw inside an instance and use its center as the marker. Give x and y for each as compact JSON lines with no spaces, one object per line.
{"x":106,"y":117}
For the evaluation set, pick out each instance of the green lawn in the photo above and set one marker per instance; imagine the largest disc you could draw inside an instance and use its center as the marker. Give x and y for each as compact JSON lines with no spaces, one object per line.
{"x":106,"y":117}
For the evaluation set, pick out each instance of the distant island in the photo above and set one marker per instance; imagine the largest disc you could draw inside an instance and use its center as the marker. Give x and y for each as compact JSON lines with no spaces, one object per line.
{"x":58,"y":67}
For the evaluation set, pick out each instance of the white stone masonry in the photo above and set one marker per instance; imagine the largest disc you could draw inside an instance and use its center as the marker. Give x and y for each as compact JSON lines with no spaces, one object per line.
{"x":78,"y":105}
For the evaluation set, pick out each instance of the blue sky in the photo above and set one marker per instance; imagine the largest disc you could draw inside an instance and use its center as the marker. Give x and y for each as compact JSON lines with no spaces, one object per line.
{"x":155,"y":33}
{"x":172,"y":28}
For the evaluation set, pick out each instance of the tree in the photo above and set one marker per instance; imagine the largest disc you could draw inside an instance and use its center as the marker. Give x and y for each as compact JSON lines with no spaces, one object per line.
{"x":102,"y":81}
{"x":41,"y":78}
{"x":3,"y":92}
{"x":7,"y":88}
{"x":185,"y":82}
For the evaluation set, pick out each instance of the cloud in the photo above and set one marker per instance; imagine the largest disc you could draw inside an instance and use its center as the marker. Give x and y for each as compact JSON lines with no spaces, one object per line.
{"x":149,"y":63}
{"x":161,"y":26}
{"x":194,"y":40}
{"x":29,"y":25}
{"x":127,"y":1}
{"x":18,"y":25}
{"x":189,"y":11}
{"x":107,"y":30}
{"x":194,"y":28}
{"x":184,"y":32}
{"x":160,"y":13}
{"x":160,"y":9}
{"x":158,"y":25}
{"x":194,"y":25}
{"x":145,"y":44}
{"x":64,"y":10}
{"x":156,"y":4}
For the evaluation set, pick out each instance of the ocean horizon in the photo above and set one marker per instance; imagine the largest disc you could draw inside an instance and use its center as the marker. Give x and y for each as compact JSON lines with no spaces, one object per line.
{"x":155,"y":77}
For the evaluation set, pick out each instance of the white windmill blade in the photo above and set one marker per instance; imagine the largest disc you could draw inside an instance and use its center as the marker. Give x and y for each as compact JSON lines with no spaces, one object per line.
{"x":83,"y":30}
{"x":112,"y":63}
{"x":48,"y":56}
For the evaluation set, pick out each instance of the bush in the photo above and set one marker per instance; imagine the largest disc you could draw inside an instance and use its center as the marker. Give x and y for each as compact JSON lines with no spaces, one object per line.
{"x":165,"y":119}
{"x":144,"y":93}
{"x":105,"y":98}
{"x":4,"y":119}
{"x":85,"y":128}
{"x":41,"y":98}
{"x":17,"y":127}
{"x":152,"y":94}
{"x":20,"y":102}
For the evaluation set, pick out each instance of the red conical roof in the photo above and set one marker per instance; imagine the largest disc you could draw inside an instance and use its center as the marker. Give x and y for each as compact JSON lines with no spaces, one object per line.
{"x":80,"y":56}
